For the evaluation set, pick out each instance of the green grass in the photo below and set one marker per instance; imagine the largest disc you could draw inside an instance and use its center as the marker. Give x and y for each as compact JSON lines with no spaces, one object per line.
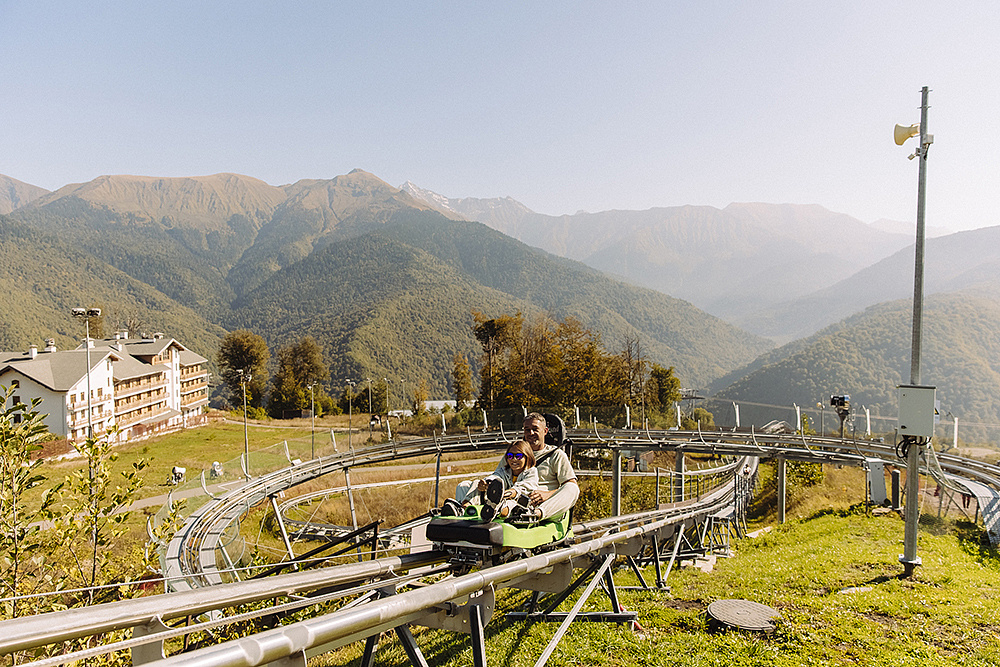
{"x":946,"y":615}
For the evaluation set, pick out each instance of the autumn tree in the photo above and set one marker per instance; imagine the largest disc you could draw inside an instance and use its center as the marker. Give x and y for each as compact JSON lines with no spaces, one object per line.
{"x":461,"y":380}
{"x":243,"y":350}
{"x":420,"y":396}
{"x":633,"y":371}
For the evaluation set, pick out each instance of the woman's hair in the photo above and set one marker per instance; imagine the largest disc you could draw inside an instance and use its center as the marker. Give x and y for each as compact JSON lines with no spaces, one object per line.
{"x":525,"y":448}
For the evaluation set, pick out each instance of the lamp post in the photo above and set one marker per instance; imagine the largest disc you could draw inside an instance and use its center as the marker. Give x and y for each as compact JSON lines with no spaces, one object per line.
{"x":350,"y":413}
{"x":245,"y":377}
{"x":386,"y":380}
{"x":312,"y":415}
{"x":822,"y":414}
{"x":85,"y":314}
{"x":914,"y":444}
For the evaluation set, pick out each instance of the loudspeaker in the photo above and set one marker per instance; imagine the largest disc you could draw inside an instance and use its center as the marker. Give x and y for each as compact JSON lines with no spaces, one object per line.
{"x":904,"y":132}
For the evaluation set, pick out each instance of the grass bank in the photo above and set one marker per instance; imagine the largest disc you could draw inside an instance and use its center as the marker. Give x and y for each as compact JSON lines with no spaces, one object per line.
{"x":833,"y":577}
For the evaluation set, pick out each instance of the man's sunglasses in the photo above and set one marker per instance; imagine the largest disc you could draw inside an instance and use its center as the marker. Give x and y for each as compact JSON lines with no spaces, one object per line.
{"x":515,"y":455}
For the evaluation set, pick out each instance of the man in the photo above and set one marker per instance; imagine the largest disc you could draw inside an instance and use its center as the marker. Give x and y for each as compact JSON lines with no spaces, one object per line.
{"x":559,"y":490}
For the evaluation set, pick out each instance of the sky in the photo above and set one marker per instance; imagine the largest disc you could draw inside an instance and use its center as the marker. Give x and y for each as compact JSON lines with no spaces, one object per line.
{"x":563,"y":106}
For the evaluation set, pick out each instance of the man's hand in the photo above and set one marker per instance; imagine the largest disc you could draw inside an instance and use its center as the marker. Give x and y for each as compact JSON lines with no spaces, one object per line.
{"x":539,"y":496}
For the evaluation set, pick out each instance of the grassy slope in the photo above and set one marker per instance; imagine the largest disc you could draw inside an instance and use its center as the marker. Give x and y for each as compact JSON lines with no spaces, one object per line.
{"x":948,"y":615}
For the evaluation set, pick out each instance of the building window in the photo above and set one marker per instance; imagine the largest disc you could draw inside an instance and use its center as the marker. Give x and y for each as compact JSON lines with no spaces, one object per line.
{"x":14,"y":384}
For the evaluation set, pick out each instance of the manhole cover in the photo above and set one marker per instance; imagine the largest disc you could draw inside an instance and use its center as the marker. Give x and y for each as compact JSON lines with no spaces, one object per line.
{"x":743,"y":614}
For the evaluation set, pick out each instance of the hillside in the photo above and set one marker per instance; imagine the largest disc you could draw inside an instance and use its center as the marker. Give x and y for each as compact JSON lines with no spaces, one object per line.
{"x":316,"y":213}
{"x":868,"y":355}
{"x":15,"y":194}
{"x":409,"y":288}
{"x":43,"y":278}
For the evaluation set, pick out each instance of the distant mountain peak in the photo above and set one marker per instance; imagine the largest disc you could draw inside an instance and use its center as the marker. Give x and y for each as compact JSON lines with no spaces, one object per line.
{"x":198,"y":201}
{"x":500,"y":213}
{"x":14,"y":193}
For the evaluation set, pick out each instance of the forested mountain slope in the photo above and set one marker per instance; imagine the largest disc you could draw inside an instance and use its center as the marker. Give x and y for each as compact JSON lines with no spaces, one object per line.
{"x":44,"y":278}
{"x":868,"y":355}
{"x":412,"y":285}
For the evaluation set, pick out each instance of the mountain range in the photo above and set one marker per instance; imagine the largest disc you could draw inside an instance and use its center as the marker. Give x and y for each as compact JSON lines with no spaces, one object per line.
{"x":386,"y":279}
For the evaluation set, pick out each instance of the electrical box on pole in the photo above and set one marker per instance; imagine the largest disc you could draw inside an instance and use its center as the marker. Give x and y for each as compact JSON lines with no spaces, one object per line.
{"x":916,"y":410}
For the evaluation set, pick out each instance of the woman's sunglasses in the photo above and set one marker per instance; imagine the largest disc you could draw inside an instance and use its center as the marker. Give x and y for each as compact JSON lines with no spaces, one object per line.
{"x":515,"y":455}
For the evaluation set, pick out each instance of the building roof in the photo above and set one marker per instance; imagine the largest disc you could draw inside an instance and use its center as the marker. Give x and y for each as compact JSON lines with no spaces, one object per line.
{"x":144,"y":347}
{"x":58,"y":371}
{"x":189,"y":358}
{"x":128,"y":368}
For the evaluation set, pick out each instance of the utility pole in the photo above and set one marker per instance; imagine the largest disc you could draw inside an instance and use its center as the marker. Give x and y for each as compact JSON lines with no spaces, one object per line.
{"x":312,"y":414}
{"x":913,"y":444}
{"x":245,"y":377}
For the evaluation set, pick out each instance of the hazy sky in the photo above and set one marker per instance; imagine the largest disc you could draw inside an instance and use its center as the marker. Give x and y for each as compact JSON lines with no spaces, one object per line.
{"x":564,"y":106}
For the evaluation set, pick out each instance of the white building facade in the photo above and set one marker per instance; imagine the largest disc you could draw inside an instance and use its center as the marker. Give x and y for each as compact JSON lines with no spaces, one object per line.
{"x":137,"y":386}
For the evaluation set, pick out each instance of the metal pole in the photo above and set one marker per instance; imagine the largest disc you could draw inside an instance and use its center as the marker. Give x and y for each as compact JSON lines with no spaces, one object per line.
{"x":616,"y":482}
{"x":781,"y":489}
{"x":312,"y":414}
{"x":678,"y":490}
{"x":90,"y":411}
{"x":909,"y":558}
{"x":350,"y":415}
{"x":437,"y":482}
{"x":244,"y":378}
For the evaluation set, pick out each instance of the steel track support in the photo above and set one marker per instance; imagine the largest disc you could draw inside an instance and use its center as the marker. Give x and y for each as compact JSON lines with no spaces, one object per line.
{"x":602,"y":570}
{"x":478,"y":638}
{"x":410,"y":646}
{"x":656,"y":561}
{"x":597,"y":573}
{"x":673,"y":556}
{"x":371,"y":645}
{"x":638,"y":574}
{"x":281,"y":527}
{"x":616,"y":482}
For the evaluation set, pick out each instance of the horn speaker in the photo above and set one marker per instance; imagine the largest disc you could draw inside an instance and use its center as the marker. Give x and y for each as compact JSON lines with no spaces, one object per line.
{"x":904,"y":132}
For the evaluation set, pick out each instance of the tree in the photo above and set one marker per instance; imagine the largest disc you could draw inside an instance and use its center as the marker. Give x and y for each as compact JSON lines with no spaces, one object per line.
{"x":22,"y":567}
{"x":461,"y":381}
{"x":94,"y":507}
{"x":420,"y":396}
{"x":299,"y":365}
{"x":579,"y":368}
{"x":246,"y":351}
{"x":497,"y":337}
{"x":664,"y":389}
{"x":700,"y":419}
